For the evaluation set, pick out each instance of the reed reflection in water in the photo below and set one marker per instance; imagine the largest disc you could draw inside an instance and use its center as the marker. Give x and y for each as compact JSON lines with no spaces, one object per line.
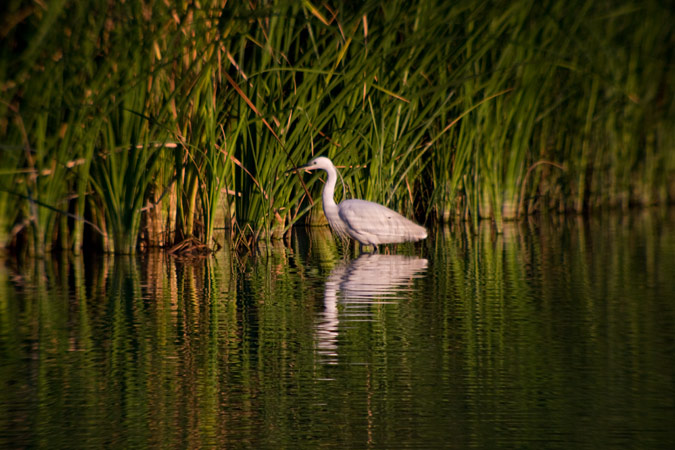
{"x":371,"y":279}
{"x":556,"y":333}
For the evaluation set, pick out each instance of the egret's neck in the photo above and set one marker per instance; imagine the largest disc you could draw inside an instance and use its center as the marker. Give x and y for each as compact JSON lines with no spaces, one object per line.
{"x":329,"y":190}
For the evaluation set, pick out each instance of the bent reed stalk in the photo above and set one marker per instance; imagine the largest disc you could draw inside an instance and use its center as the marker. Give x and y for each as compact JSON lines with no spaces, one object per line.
{"x":128,"y":125}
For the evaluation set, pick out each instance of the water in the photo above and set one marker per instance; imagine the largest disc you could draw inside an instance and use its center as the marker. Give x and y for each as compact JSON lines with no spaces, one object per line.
{"x":556,"y":334}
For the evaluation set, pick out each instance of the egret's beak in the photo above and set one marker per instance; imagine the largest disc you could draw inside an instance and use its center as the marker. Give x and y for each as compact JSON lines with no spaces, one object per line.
{"x":297,"y":168}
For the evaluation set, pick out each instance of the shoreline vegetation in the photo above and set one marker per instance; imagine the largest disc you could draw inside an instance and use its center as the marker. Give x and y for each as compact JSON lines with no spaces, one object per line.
{"x":129,"y":125}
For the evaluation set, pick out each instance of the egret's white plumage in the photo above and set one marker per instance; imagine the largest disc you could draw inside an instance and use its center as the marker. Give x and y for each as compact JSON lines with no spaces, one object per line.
{"x":366,"y":222}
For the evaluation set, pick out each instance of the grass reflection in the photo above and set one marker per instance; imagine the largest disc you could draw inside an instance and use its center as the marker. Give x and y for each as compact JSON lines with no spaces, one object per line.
{"x":553,"y":329}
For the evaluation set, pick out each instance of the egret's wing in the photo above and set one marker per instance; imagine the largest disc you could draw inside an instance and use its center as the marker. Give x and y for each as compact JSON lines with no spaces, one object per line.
{"x":373,"y":223}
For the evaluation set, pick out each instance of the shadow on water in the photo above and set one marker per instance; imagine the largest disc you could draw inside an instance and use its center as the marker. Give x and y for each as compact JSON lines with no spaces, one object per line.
{"x":555,"y":333}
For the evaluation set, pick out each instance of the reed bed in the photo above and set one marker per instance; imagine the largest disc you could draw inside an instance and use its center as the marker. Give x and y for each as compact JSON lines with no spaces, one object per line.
{"x":129,"y":125}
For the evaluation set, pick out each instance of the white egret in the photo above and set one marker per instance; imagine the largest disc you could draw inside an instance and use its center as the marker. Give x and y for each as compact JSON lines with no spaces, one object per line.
{"x":366,"y":222}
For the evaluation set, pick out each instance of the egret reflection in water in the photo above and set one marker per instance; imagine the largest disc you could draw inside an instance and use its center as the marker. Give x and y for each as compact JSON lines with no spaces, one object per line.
{"x":368,"y":280}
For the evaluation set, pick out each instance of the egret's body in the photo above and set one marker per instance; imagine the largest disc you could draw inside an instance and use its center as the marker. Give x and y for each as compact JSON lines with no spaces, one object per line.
{"x":366,"y":222}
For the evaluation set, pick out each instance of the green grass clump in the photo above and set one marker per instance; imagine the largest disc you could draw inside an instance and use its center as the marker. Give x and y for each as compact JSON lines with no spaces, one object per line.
{"x":128,"y":123}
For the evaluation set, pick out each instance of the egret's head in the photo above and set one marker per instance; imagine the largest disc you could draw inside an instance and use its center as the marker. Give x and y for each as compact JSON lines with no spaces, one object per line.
{"x":320,"y":162}
{"x":323,"y":163}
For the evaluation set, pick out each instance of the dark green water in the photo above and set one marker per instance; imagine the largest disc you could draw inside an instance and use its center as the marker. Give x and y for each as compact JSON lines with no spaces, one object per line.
{"x":554,"y":334}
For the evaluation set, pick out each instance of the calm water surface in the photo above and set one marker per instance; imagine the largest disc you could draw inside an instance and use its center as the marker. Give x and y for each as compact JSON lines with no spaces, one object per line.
{"x":554,"y":334}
